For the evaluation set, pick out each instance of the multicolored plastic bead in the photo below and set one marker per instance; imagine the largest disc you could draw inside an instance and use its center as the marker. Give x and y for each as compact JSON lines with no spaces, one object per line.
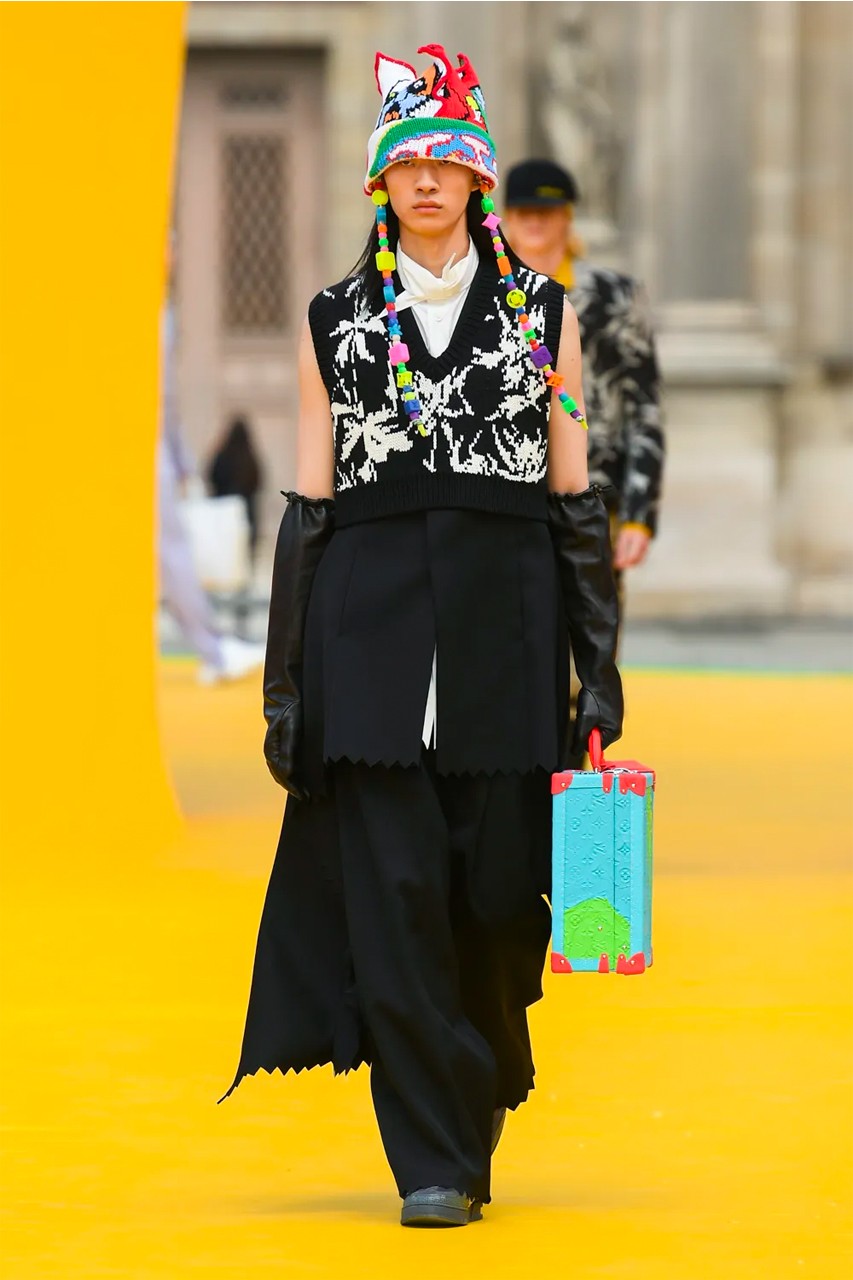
{"x":398,"y":352}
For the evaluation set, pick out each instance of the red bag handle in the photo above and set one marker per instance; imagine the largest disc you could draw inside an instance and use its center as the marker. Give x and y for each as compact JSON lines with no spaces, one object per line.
{"x":599,"y":764}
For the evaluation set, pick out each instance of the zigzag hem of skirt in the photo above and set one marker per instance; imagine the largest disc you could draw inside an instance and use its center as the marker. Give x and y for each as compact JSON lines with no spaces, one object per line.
{"x":338,"y":1070}
{"x":344,"y":1049}
{"x":458,"y":770}
{"x":512,"y":1102}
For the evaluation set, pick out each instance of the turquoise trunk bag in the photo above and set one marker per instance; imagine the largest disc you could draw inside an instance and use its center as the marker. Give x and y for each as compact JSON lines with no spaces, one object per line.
{"x":601,"y":895}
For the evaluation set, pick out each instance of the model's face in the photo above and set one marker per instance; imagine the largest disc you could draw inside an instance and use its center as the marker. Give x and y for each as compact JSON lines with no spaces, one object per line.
{"x":429,"y":196}
{"x":537,"y":230}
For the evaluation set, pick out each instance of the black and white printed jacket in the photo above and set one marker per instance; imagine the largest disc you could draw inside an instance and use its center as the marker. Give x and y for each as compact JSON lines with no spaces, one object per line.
{"x":621,"y":391}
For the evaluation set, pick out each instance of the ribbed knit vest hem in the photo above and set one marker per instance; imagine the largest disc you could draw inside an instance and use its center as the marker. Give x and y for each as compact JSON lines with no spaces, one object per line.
{"x":441,"y":489}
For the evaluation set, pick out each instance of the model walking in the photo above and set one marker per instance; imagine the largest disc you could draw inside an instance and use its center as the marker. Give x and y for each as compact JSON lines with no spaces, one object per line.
{"x":442,"y":547}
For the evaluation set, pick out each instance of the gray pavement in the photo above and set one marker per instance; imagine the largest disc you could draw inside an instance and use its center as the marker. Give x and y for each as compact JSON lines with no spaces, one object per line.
{"x":748,"y":644}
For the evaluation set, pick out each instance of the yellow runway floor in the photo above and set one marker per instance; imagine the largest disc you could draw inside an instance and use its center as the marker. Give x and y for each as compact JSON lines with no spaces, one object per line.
{"x":691,"y":1123}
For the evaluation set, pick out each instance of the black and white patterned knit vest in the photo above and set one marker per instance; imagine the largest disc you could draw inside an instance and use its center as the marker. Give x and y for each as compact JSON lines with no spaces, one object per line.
{"x":485,"y":405}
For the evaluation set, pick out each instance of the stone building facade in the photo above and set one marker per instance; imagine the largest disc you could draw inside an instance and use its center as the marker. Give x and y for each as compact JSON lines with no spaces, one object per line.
{"x":713,"y":142}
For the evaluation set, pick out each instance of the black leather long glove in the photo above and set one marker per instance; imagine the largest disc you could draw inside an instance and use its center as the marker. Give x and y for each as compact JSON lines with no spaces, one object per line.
{"x":303,"y":535}
{"x":580,"y":532}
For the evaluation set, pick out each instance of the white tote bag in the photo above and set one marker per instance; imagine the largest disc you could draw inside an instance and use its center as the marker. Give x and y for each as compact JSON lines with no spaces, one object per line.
{"x":218,"y":531}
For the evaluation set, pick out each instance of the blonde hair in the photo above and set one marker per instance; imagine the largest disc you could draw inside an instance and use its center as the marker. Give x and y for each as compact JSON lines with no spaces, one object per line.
{"x":575,"y":246}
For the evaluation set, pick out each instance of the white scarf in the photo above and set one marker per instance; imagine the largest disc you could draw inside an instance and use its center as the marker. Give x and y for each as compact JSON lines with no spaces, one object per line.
{"x":420,"y":285}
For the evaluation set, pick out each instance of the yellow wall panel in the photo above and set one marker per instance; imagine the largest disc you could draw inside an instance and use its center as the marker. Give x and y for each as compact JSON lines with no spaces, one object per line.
{"x":88,"y":105}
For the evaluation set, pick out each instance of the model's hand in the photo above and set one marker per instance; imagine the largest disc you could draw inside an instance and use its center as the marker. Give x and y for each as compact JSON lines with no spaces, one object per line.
{"x":591,"y":716}
{"x":631,"y":546}
{"x":281,"y":748}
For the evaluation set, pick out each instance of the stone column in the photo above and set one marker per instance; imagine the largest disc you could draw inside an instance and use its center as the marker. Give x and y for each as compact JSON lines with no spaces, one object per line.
{"x":816,"y":530}
{"x":699,"y":134}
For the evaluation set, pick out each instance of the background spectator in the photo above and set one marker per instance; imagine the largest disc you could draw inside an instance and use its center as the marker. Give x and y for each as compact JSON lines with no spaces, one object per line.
{"x":235,"y":469}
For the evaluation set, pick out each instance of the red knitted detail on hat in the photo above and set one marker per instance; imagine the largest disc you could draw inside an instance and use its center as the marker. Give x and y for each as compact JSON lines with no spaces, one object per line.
{"x":452,"y":88}
{"x":456,"y":90}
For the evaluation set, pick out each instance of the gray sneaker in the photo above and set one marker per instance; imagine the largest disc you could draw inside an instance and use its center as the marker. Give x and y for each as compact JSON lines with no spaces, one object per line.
{"x":439,"y":1207}
{"x":237,"y":658}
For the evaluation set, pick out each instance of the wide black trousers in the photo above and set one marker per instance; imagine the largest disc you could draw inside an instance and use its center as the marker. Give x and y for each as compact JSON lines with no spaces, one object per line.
{"x":447,"y":953}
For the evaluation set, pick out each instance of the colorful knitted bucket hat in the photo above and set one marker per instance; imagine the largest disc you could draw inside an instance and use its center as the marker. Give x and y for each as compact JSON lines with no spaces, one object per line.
{"x":440,"y":116}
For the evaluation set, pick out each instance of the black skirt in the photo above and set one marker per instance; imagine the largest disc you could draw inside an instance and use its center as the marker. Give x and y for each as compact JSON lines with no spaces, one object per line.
{"x":482,"y":591}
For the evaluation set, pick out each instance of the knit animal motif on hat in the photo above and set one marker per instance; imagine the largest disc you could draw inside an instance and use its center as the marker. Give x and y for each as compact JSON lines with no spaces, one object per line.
{"x":439,"y":115}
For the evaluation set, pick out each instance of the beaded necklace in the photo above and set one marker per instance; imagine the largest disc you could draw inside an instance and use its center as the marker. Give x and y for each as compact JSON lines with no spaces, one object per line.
{"x":398,"y":352}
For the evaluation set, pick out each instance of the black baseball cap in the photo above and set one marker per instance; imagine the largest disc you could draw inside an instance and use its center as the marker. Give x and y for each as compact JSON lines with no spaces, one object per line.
{"x":539,"y":182}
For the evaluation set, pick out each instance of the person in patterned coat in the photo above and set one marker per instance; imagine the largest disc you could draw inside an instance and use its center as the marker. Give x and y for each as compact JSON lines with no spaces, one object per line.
{"x":621,"y":376}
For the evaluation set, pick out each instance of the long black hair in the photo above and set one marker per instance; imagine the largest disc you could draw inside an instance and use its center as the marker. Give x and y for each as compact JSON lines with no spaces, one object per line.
{"x":371,"y":278}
